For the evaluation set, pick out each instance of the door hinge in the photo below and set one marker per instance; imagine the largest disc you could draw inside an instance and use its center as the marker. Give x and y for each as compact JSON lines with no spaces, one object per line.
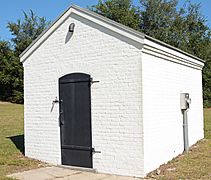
{"x":93,"y":151}
{"x":92,"y":81}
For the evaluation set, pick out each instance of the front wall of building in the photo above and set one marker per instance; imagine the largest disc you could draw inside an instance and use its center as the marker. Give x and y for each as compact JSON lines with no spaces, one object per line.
{"x":115,"y":100}
{"x":163,"y":81}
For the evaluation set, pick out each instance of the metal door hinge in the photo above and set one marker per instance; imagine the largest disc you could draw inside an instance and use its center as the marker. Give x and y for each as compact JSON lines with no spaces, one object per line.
{"x":93,"y":151}
{"x":92,"y":82}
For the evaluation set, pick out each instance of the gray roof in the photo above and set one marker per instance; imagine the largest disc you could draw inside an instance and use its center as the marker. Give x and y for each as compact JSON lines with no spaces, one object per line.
{"x":113,"y":23}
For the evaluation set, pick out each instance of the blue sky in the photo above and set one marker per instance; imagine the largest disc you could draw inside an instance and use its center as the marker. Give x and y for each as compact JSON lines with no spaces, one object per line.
{"x":11,"y":10}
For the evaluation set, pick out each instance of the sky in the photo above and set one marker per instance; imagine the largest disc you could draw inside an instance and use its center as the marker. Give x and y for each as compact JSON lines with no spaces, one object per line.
{"x":12,"y":10}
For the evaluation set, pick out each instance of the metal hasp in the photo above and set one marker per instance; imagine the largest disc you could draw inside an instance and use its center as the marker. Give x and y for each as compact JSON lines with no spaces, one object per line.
{"x":185,"y":105}
{"x":54,"y":102}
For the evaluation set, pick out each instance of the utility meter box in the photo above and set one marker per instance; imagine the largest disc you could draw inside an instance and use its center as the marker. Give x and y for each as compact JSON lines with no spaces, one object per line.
{"x":184,"y":101}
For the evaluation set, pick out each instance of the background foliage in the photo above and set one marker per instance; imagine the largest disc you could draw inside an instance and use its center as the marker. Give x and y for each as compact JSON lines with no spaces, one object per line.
{"x":11,"y":70}
{"x":183,"y":27}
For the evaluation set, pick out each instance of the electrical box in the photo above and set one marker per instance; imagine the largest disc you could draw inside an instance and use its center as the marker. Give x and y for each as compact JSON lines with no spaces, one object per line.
{"x":184,"y":101}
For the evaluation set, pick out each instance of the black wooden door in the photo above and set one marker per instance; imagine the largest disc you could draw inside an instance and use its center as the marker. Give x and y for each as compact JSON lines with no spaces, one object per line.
{"x":75,"y":120}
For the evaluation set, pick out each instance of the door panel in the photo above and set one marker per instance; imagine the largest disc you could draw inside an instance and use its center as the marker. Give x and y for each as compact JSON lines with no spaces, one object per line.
{"x":75,"y":108}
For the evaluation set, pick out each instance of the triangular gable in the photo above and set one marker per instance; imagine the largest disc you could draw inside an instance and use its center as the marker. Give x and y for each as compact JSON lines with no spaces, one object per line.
{"x":91,"y":16}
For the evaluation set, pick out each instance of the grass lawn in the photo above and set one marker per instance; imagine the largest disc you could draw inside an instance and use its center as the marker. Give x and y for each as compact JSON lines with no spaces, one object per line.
{"x":194,"y":165}
{"x":11,"y":133}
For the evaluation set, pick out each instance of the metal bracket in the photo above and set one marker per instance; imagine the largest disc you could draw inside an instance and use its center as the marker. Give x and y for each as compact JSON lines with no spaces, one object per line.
{"x":54,"y":102}
{"x":93,"y":151}
{"x":92,"y":82}
{"x":57,"y":101}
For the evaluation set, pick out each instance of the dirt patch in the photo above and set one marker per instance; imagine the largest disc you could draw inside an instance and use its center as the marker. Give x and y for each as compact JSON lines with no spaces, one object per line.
{"x":4,"y":102}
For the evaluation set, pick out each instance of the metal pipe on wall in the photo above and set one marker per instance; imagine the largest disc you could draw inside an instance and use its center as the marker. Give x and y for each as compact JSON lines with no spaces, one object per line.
{"x":185,"y":130}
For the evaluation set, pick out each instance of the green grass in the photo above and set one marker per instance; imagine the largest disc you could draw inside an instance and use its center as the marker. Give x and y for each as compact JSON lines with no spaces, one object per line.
{"x":196,"y":164}
{"x":11,"y":128}
{"x":207,"y":123}
{"x":193,"y":165}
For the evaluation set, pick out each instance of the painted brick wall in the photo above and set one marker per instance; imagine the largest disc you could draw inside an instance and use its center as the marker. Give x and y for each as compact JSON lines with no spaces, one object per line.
{"x":163,"y":81}
{"x":116,"y":99}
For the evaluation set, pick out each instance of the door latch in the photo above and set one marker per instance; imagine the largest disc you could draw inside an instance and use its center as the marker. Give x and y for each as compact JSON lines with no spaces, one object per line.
{"x":54,"y":102}
{"x":57,"y":101}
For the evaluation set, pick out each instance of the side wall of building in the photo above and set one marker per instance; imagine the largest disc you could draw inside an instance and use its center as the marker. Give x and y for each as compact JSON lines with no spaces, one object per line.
{"x":115,"y":101}
{"x":166,"y":74}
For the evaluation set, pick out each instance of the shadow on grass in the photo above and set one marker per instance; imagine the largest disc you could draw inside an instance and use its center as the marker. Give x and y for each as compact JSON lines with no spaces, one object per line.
{"x":19,"y":142}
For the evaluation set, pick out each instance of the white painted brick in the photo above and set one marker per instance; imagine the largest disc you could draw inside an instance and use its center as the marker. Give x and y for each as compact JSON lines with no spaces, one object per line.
{"x":163,"y":81}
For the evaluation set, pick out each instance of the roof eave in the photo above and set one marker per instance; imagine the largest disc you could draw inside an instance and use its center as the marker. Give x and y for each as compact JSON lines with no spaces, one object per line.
{"x":173,"y":48}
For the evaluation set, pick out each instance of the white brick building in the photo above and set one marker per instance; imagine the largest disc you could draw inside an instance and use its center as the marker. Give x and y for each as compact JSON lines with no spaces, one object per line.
{"x":133,"y":115}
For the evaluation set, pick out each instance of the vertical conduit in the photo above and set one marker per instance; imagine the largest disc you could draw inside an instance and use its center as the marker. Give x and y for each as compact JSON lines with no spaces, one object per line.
{"x":185,"y":130}
{"x":184,"y":105}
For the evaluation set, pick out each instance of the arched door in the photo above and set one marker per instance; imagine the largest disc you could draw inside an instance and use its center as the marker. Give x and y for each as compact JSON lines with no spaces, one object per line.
{"x":75,"y":120}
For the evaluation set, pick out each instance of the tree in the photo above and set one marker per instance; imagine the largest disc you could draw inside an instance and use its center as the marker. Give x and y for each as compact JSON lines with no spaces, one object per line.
{"x":11,"y":79}
{"x":121,"y":11}
{"x":158,"y":17}
{"x":184,"y":28}
{"x":24,"y":32}
{"x":5,"y":81}
{"x":11,"y":70}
